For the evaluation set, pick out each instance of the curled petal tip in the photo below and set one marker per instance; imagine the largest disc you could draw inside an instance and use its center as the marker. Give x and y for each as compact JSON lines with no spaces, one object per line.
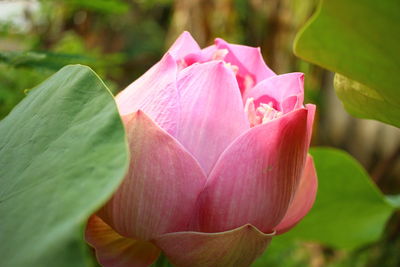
{"x":185,"y":44}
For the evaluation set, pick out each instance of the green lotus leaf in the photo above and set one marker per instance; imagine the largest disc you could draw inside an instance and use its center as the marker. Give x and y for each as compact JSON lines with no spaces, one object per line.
{"x":360,"y":40}
{"x":63,"y":152}
{"x":365,"y":102}
{"x":349,"y":211}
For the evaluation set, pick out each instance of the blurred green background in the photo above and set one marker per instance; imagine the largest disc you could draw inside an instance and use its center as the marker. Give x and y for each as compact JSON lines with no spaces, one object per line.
{"x":120,"y":40}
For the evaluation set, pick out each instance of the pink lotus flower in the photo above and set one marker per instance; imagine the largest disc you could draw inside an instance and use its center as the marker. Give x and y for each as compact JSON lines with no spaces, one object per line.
{"x":219,"y":160}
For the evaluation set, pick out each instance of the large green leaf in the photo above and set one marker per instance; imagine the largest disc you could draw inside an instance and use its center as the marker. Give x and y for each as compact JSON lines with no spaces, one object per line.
{"x":349,"y":210}
{"x":360,"y":40}
{"x":63,"y":152}
{"x":364,"y":102}
{"x":394,"y":200}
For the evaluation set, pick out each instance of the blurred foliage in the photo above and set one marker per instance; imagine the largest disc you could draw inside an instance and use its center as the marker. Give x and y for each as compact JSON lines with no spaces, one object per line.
{"x":118,"y":39}
{"x":43,"y":60}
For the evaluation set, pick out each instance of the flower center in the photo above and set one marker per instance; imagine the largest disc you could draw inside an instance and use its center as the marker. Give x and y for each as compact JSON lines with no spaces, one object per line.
{"x":262,"y":114}
{"x":219,"y":54}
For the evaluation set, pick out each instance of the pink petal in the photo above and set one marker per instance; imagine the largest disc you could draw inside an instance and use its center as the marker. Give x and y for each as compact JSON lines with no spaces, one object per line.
{"x":248,"y":59}
{"x":159,"y":192}
{"x":286,"y":89}
{"x":201,"y":56}
{"x":212,"y":112}
{"x":184,"y":45}
{"x":155,"y":93}
{"x":256,"y":176}
{"x":310,"y":121}
{"x":114,"y":250}
{"x":209,"y":51}
{"x":239,"y":247}
{"x":303,"y":200}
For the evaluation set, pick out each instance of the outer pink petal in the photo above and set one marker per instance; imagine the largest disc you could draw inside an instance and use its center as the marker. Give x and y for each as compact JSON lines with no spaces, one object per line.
{"x":286,"y":89}
{"x":303,"y":200}
{"x":114,"y":250}
{"x":212,"y":113}
{"x":256,"y":177}
{"x":310,"y":121}
{"x":239,"y":247}
{"x":159,"y":192}
{"x":184,"y":45}
{"x":155,"y":93}
{"x":248,"y":59}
